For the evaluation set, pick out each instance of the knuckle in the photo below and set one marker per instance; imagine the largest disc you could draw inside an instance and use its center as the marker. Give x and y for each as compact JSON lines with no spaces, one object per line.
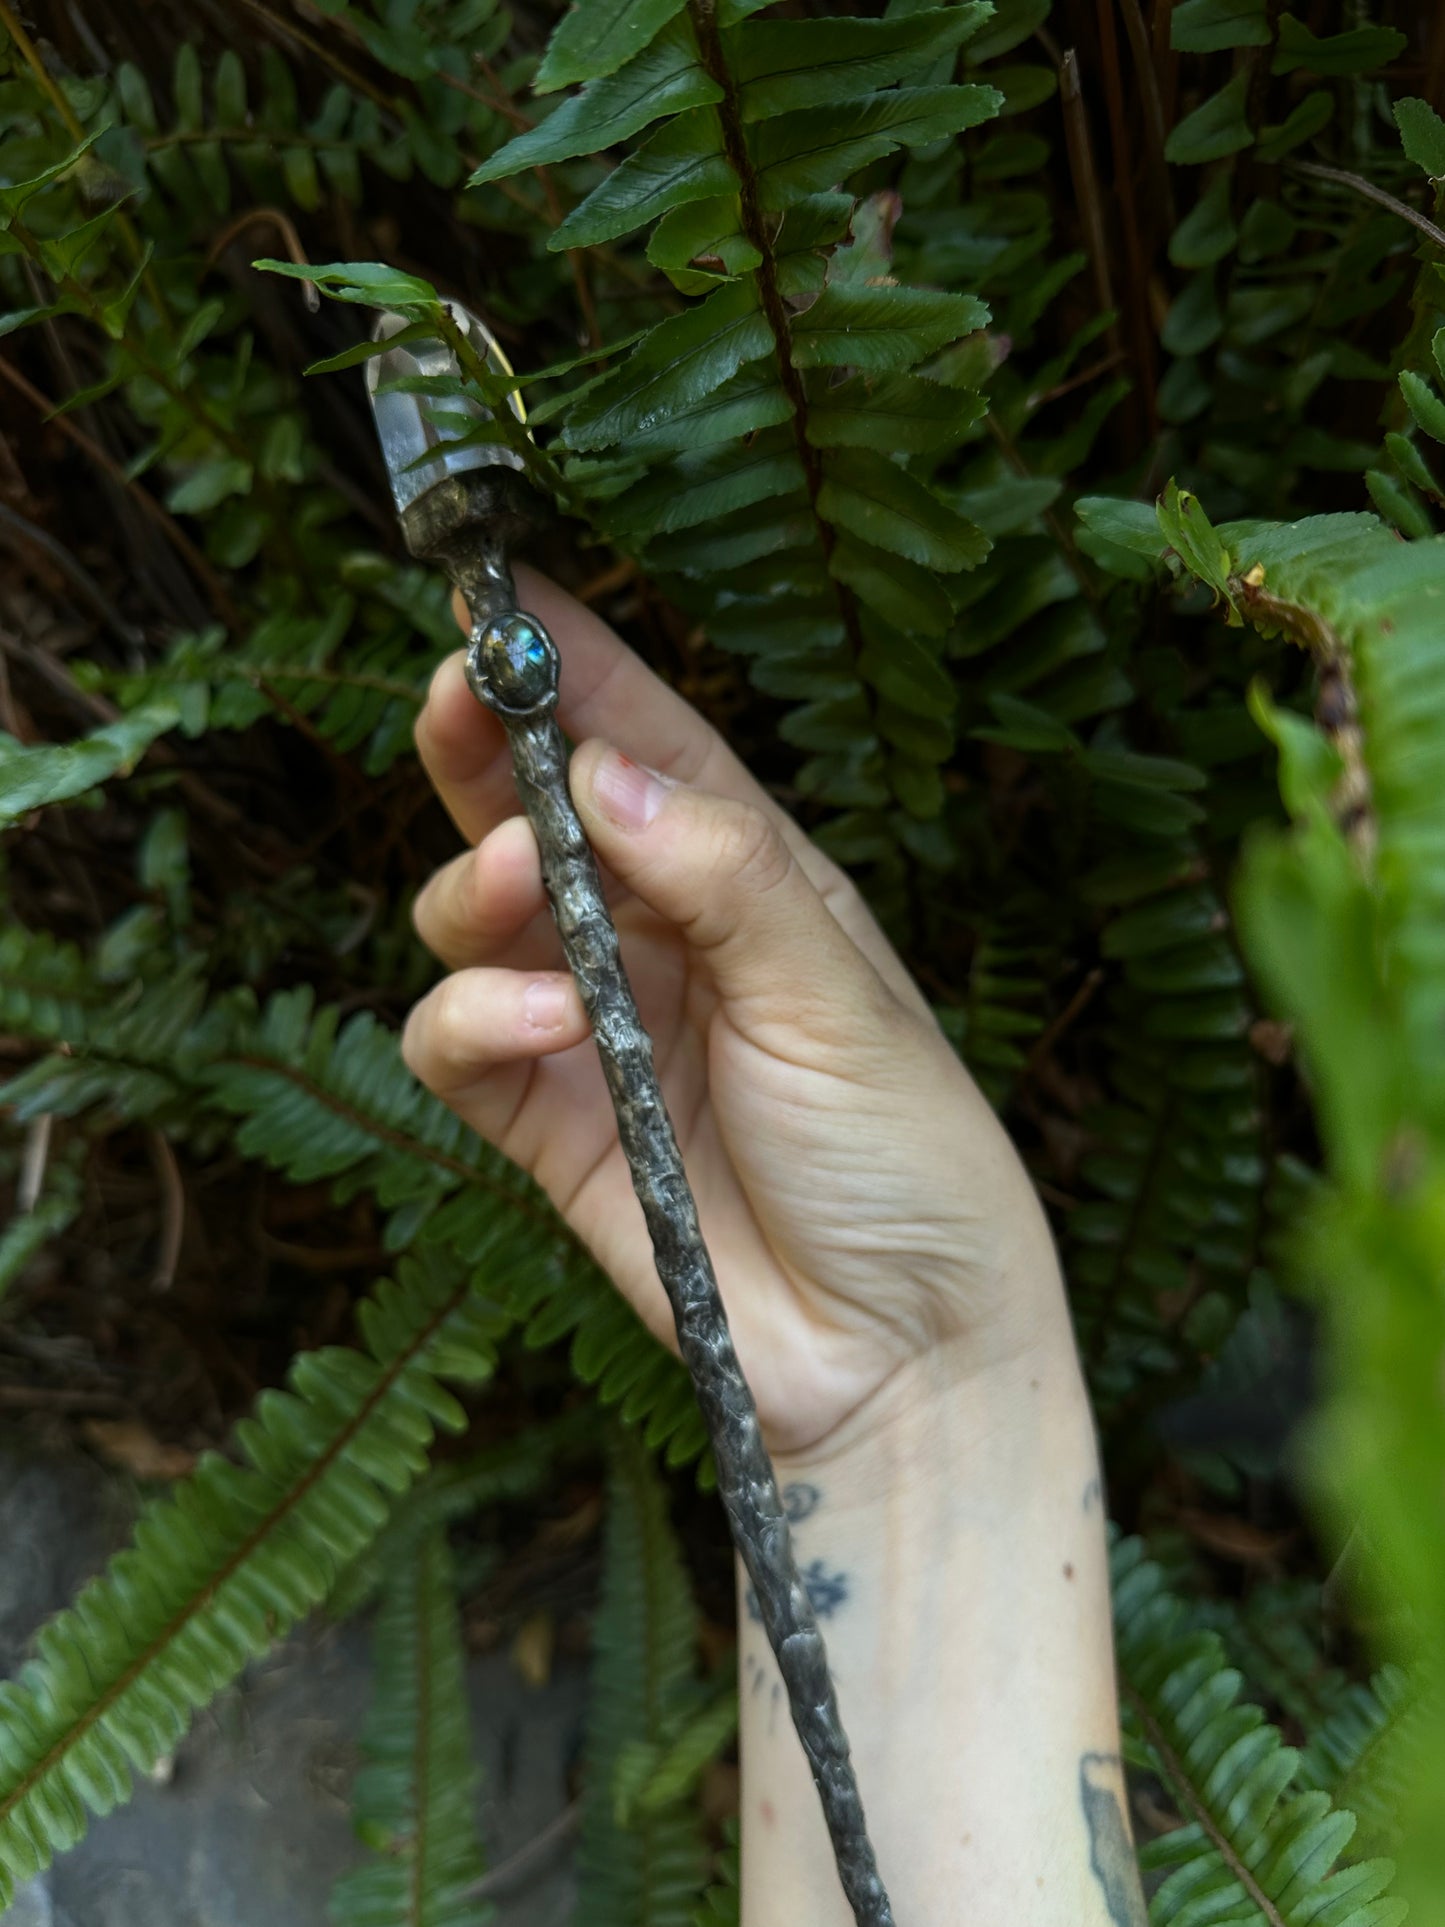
{"x":752,"y":853}
{"x":845,"y":901}
{"x":447,"y":1028}
{"x":446,"y":909}
{"x":413,"y":1044}
{"x":424,"y":912}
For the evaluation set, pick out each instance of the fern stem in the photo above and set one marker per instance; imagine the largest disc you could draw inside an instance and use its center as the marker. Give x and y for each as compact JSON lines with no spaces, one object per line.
{"x":44,"y":79}
{"x":1177,"y":1775}
{"x":1357,"y":184}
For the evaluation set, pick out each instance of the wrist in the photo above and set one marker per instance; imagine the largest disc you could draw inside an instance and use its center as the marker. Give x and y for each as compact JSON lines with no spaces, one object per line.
{"x":950,"y":1534}
{"x":942,"y":1423}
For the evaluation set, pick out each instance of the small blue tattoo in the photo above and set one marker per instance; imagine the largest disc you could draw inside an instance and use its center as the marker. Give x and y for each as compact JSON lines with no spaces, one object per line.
{"x":800,"y":1502}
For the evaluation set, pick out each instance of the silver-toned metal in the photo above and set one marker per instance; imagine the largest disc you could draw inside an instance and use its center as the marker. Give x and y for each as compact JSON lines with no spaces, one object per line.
{"x":465,"y":523}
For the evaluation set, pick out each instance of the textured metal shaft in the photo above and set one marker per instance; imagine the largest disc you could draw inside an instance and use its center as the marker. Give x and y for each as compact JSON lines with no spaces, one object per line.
{"x":513,"y":668}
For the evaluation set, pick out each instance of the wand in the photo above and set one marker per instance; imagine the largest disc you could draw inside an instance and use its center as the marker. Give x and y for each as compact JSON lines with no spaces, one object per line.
{"x":462,"y":504}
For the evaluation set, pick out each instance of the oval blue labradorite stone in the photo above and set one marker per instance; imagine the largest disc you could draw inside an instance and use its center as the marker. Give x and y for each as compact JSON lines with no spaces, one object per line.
{"x":519,"y":661}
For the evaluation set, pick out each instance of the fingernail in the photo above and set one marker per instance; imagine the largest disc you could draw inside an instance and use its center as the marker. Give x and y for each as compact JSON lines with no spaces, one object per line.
{"x":628,"y":792}
{"x":544,"y":1003}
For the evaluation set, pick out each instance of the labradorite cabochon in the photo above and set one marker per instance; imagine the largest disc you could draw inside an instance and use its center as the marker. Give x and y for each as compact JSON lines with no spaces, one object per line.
{"x":519,"y":659}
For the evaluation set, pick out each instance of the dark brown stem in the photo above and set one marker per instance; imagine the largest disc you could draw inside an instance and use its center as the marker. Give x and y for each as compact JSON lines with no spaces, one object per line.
{"x":1086,"y":191}
{"x":1435,"y":64}
{"x":1137,"y":305}
{"x":1155,"y":126}
{"x":1367,"y":190}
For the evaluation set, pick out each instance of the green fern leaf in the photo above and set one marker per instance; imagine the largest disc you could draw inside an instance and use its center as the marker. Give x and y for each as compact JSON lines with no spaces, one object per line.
{"x":903,"y":414}
{"x":783,"y":65}
{"x":651,"y":1778}
{"x":666,"y":78}
{"x":801,"y":154}
{"x":1368,"y":1753}
{"x":888,"y":508}
{"x":1210,"y":26}
{"x":881,"y":330}
{"x":1215,"y":129}
{"x":684,"y":360}
{"x":682,"y":162}
{"x":750,"y":401}
{"x":710,"y":484}
{"x":33,"y":776}
{"x":892,"y":585}
{"x":599,"y":36}
{"x":722,"y":1902}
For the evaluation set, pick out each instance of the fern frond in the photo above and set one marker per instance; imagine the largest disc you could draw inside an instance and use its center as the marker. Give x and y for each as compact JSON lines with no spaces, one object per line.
{"x":358,"y":673}
{"x":414,"y":1802}
{"x":648,"y":1873}
{"x":1251,"y":1852}
{"x":725,"y":436}
{"x":564,"y":1295}
{"x":319,"y":1098}
{"x":1365,"y":1754}
{"x":226,"y":1562}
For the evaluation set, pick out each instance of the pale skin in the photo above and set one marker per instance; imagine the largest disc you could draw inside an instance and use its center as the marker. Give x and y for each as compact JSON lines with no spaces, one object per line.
{"x":888,"y":1274}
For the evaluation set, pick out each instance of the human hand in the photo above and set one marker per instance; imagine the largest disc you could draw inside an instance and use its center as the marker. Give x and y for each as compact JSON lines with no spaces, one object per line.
{"x":866,"y":1215}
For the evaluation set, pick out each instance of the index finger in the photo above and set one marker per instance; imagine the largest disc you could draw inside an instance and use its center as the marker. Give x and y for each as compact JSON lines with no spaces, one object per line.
{"x":606,"y":690}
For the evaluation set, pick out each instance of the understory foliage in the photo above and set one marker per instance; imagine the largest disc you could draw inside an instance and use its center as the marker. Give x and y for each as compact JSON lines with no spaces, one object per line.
{"x":1018,"y":428}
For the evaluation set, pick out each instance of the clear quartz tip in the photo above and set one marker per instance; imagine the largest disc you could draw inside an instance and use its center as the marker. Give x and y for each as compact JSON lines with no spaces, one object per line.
{"x":418,"y":450}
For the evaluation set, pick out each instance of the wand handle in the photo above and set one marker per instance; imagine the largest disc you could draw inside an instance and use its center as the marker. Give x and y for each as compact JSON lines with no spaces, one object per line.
{"x":513,"y":668}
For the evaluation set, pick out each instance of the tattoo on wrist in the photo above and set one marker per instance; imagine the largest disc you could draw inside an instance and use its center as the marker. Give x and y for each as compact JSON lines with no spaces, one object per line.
{"x":827,"y":1590}
{"x":801,"y":1501}
{"x":1093,"y":1500}
{"x":1101,"y":1792}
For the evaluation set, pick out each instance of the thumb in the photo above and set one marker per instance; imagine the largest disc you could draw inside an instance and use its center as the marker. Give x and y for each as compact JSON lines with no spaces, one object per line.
{"x":722,"y":871}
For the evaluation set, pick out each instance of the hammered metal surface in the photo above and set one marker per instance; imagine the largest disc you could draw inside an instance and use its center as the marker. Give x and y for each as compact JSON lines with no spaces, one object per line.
{"x":519,"y":681}
{"x":465,"y":525}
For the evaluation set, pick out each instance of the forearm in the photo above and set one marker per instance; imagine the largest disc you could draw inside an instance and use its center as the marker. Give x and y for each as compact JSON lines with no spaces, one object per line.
{"x":956,"y":1550}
